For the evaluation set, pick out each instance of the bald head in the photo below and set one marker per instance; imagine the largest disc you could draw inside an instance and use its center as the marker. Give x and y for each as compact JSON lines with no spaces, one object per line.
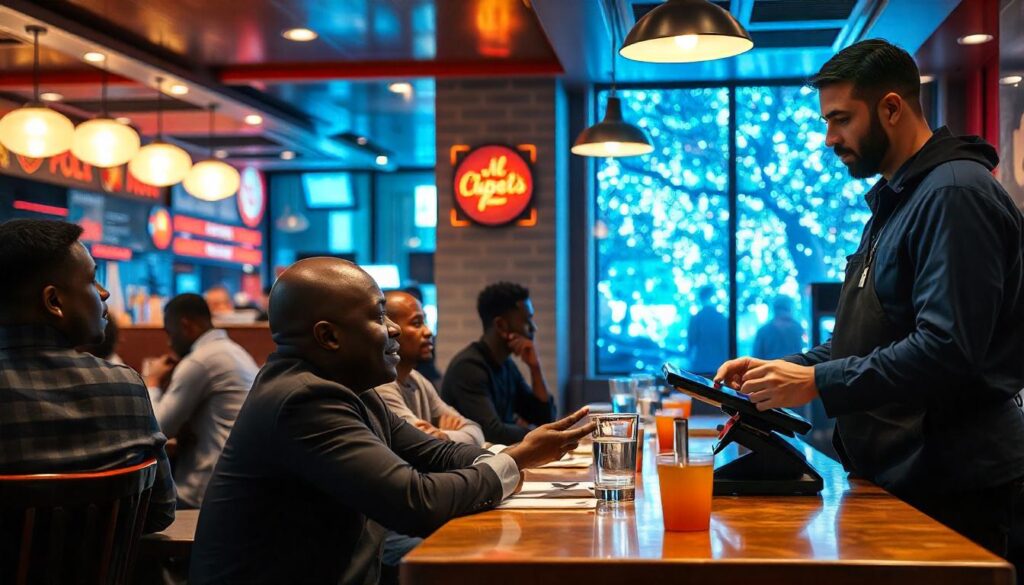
{"x":331,"y":313}
{"x":401,"y":304}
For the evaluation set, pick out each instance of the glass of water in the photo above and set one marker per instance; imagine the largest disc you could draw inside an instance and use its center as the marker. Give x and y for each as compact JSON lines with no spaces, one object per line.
{"x":647,"y":397}
{"x":623,"y":394}
{"x":615,"y":456}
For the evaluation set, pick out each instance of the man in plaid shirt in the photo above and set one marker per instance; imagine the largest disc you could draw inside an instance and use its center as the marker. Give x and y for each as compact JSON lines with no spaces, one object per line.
{"x":62,"y":411}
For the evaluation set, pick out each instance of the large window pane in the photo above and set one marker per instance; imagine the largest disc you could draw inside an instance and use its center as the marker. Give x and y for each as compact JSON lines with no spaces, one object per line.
{"x":662,"y":239}
{"x":798,"y":216}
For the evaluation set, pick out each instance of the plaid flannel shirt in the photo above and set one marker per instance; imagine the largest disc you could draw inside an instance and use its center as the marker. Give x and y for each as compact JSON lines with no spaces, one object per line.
{"x":62,"y":411}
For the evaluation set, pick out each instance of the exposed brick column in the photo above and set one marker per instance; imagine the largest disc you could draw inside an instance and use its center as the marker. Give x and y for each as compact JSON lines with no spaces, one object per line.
{"x":506,"y":111}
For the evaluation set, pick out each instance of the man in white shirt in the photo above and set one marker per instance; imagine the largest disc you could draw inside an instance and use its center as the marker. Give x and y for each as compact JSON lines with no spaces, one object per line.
{"x":411,"y":396}
{"x":197,"y":399}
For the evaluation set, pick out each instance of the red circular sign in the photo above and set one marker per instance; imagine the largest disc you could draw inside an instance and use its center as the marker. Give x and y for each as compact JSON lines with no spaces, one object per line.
{"x":493,"y":185}
{"x":252,"y":199}
{"x":160,"y":228}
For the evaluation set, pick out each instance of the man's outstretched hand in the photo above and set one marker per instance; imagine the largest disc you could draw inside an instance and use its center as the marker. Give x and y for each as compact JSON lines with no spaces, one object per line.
{"x":550,"y":442}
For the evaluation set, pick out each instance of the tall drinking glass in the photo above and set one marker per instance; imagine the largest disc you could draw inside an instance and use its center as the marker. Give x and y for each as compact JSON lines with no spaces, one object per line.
{"x":647,"y":398}
{"x":686,"y":487}
{"x":615,"y":441}
{"x":623,"y":394}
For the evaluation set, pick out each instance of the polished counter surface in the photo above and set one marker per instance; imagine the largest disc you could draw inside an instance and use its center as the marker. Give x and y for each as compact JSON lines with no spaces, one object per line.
{"x":854,"y":532}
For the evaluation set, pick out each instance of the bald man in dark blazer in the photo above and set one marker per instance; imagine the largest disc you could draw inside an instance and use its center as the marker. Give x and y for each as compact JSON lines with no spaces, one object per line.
{"x":315,"y":453}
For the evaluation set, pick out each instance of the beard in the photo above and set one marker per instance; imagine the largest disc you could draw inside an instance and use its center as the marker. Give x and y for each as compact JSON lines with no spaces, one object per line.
{"x":873,"y":149}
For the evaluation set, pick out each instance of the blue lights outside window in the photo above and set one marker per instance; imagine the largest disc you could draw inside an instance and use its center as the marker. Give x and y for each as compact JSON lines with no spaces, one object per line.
{"x":663,"y":235}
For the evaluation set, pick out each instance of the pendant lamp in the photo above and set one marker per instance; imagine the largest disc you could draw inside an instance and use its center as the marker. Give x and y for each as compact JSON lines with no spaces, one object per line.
{"x":103,"y":142}
{"x":160,"y":163}
{"x":291,"y":222}
{"x":612,"y":136}
{"x":211,"y":179}
{"x":685,"y":31}
{"x":35,"y":130}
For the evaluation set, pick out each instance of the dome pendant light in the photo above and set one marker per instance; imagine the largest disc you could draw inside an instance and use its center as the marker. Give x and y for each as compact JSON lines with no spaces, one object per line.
{"x":35,"y":130}
{"x":103,"y":142}
{"x":211,"y":179}
{"x":159,"y":163}
{"x":685,"y":31}
{"x":612,"y":136}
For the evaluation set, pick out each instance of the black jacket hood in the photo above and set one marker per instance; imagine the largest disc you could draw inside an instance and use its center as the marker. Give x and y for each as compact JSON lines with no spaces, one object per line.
{"x":941,"y":148}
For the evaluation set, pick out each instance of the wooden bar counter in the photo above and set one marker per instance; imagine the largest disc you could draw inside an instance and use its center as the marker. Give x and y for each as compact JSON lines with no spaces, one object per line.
{"x":853,"y":533}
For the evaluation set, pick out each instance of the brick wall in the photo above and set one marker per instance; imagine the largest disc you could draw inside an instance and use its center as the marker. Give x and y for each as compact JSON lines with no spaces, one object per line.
{"x":504,"y":111}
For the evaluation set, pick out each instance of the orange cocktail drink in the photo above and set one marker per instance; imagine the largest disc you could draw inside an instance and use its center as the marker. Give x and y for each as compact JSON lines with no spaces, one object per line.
{"x":686,"y":489}
{"x":678,"y":402}
{"x":664,"y":421}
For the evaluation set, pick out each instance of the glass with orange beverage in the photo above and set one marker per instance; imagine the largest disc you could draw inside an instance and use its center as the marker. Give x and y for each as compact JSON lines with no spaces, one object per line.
{"x":686,"y":486}
{"x":678,"y":401}
{"x":664,"y":420}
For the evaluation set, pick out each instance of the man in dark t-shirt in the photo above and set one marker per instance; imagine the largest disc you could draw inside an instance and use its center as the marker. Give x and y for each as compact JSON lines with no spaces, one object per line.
{"x":484,"y":384}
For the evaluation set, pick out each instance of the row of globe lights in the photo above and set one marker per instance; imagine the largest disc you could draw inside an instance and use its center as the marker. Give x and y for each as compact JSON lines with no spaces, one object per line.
{"x":38,"y":131}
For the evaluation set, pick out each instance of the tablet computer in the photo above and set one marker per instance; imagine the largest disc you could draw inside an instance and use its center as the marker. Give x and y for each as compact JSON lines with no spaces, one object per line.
{"x":705,"y":390}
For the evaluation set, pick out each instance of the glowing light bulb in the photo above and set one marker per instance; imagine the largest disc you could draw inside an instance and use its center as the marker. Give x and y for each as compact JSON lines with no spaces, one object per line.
{"x":687,"y":42}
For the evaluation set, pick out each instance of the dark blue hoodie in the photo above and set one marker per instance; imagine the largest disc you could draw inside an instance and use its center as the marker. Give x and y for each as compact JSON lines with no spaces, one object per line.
{"x":949,"y":273}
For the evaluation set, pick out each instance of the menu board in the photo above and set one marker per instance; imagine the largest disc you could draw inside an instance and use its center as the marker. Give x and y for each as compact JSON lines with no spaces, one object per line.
{"x":113,"y":221}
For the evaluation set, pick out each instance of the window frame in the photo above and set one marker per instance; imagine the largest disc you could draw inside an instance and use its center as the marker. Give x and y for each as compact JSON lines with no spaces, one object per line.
{"x":732,"y":194}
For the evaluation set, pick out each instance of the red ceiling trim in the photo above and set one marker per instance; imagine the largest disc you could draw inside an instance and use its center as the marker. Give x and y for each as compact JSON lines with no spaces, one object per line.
{"x":311,"y":72}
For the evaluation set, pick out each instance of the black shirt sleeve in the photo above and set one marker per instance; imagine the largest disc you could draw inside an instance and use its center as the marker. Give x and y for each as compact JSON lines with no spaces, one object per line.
{"x":528,"y":407}
{"x":326,"y":442}
{"x":466,"y":387}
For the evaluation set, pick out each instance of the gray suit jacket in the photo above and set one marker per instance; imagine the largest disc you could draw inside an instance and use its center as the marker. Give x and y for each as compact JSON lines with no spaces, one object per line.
{"x":307,"y":463}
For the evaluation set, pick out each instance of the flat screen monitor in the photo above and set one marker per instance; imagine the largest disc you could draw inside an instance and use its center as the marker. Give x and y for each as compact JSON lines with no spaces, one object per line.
{"x":386,"y":275}
{"x":328,"y":190}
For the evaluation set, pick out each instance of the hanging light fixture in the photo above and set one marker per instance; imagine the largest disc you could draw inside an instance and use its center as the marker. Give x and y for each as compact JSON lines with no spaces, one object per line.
{"x":211,"y":179}
{"x":684,"y":31}
{"x":159,"y":163}
{"x":291,"y":222}
{"x":35,"y":130}
{"x":103,"y":142}
{"x":612,"y":136}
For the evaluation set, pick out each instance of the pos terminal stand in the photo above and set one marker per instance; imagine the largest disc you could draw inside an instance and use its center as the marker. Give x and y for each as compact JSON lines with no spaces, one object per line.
{"x":772,"y":466}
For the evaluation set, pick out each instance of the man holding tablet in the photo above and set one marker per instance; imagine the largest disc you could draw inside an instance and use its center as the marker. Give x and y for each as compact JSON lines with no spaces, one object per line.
{"x":924,"y":369}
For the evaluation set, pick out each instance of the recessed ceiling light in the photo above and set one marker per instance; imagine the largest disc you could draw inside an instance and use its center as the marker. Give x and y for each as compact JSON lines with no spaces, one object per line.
{"x":179,"y":89}
{"x":123,"y":120}
{"x":287,"y":155}
{"x":1010,"y":80}
{"x":51,"y":96}
{"x":927,"y":79}
{"x":94,"y":57}
{"x":301,"y":35}
{"x":401,"y":88}
{"x":975,"y":39}
{"x":361,"y":141}
{"x":254,"y":119}
{"x":382,"y":159}
{"x":220,"y":153}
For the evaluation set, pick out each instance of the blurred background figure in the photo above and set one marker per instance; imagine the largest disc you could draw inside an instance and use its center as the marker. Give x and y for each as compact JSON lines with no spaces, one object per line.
{"x":707,"y":335}
{"x":781,"y":336}
{"x":218,"y":298}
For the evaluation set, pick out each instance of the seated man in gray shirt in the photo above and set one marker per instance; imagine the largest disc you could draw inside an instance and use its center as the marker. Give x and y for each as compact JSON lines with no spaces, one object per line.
{"x":315,"y":455}
{"x":206,"y":389}
{"x":412,"y":397}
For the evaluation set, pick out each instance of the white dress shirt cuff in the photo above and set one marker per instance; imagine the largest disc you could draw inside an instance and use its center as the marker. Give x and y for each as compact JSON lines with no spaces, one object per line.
{"x":506,"y":469}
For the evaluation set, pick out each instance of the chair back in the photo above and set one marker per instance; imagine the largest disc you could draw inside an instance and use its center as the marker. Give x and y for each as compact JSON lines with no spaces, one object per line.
{"x":73,"y":527}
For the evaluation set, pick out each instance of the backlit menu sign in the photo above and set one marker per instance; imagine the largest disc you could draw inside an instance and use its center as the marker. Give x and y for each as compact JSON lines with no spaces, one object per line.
{"x":493,"y":186}
{"x":66,"y":170}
